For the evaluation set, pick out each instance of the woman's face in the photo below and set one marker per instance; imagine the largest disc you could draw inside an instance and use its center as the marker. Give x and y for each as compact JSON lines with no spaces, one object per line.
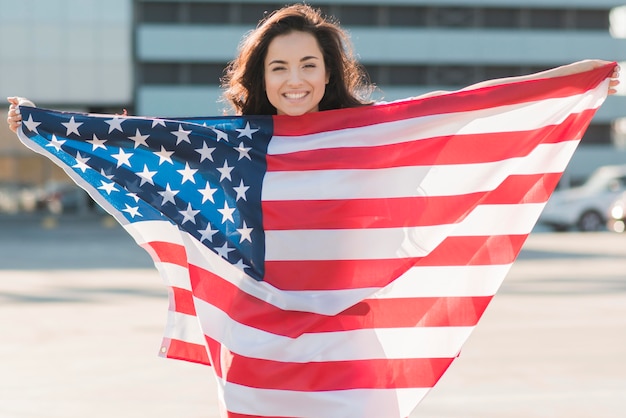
{"x":295,"y":74}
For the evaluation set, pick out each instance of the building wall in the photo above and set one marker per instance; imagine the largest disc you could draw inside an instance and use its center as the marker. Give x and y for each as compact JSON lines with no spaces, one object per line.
{"x":75,"y":53}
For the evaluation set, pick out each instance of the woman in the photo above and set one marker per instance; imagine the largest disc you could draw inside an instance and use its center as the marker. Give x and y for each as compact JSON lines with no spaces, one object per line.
{"x":295,"y":63}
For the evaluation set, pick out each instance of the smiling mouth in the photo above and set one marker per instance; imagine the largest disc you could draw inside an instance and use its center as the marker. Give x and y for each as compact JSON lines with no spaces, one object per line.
{"x":294,"y":96}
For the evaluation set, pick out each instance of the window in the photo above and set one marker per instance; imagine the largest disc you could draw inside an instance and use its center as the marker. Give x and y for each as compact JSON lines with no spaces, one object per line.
{"x":358,"y":15}
{"x":547,"y":18}
{"x":158,"y":12}
{"x":206,"y":74}
{"x":454,"y":17}
{"x":501,"y":18}
{"x":253,"y":12}
{"x":209,"y":13}
{"x":592,"y":19}
{"x":408,"y":16}
{"x":160,"y":73}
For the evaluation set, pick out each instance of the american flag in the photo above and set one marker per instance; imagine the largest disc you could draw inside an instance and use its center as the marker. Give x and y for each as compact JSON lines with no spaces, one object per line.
{"x":331,"y":264}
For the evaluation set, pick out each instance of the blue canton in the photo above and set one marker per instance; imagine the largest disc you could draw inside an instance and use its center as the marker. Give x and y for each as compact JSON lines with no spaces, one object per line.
{"x":202,"y":174}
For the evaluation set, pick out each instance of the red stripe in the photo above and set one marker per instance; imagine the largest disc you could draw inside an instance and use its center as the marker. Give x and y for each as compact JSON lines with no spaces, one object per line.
{"x":453,"y":149}
{"x":351,"y":274}
{"x":486,"y":250}
{"x":453,"y":251}
{"x":402,"y":212}
{"x":508,"y":94}
{"x":182,"y":350}
{"x":166,"y":252}
{"x":182,"y":301}
{"x":370,"y":313}
{"x":345,"y":274}
{"x":332,"y":375}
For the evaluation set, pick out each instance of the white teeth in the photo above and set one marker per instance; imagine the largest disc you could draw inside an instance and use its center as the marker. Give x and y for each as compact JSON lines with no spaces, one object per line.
{"x":295,"y":96}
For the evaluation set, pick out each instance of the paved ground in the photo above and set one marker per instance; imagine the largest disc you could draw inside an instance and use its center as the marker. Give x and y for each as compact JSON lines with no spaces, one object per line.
{"x":80,"y":331}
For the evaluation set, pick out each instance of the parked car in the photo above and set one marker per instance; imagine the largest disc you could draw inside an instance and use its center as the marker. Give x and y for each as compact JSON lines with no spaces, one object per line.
{"x":617,"y":214}
{"x":585,"y":207}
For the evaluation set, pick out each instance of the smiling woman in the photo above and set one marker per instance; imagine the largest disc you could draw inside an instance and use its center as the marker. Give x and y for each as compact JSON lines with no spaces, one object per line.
{"x":298,"y":43}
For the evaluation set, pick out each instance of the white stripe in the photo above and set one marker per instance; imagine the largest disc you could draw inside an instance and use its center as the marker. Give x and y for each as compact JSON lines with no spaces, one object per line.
{"x":361,"y":403}
{"x":183,"y":327}
{"x":395,"y":243}
{"x":353,"y":244}
{"x":321,"y":302}
{"x":446,"y":281}
{"x":360,"y":344}
{"x":157,"y":230}
{"x":512,"y":118}
{"x":517,"y":219}
{"x":174,"y":275}
{"x":442,"y":180}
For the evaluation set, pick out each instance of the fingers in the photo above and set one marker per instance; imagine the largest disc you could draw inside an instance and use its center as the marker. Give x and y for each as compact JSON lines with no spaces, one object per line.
{"x":14,"y":118}
{"x":614,"y":80}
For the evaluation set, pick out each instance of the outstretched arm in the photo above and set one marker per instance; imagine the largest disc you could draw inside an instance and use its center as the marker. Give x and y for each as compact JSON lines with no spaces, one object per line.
{"x":576,"y":67}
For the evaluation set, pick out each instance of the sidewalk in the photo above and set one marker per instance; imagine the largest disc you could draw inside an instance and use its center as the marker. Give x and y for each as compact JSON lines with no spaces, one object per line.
{"x":80,"y":339}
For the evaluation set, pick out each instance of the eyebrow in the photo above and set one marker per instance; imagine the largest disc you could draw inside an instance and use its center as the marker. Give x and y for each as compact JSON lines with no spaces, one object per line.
{"x":308,"y":57}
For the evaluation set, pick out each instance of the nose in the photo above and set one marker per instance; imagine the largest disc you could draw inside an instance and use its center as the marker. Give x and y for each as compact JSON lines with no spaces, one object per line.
{"x":294,"y":78}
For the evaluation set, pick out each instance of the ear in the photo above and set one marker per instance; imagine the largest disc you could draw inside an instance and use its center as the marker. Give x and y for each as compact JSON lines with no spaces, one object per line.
{"x":327,"y":77}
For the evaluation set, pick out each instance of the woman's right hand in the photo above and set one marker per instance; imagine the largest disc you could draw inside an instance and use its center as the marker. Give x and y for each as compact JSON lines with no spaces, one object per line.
{"x":14,"y":119}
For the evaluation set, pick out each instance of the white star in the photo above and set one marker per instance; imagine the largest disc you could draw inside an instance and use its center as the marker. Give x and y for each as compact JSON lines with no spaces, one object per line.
{"x":187,"y":174}
{"x":108,"y":187}
{"x":168,"y":195}
{"x":241,"y":191}
{"x":133,"y":196}
{"x":146,"y":176}
{"x":156,"y":122}
{"x":164,"y":155}
{"x":227,"y":213}
{"x":189,"y":214}
{"x":225,"y":170}
{"x":246,"y":131}
{"x":207,"y":233}
{"x":181,"y":135}
{"x":243,"y":152}
{"x":122,"y":157}
{"x":97,"y":143}
{"x":81,"y":162}
{"x":205,"y":152}
{"x":132,"y":211}
{"x":31,"y":124}
{"x":220,"y":135}
{"x":139,"y":139}
{"x":224,"y":250}
{"x":245,"y":233}
{"x":241,"y":265}
{"x":72,"y":127}
{"x":115,"y":123}
{"x":207,"y":193}
{"x":56,"y":143}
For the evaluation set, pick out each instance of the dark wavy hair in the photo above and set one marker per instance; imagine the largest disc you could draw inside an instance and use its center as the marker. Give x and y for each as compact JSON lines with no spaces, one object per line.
{"x":243,"y":82}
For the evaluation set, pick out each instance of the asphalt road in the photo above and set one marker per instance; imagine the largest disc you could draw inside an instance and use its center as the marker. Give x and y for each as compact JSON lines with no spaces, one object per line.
{"x":82,"y":311}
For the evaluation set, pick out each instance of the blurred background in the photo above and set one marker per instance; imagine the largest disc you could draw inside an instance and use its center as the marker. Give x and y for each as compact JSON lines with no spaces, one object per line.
{"x":165,"y":58}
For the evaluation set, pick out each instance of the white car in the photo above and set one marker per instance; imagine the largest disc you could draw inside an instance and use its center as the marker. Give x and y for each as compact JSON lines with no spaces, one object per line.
{"x":585,"y":207}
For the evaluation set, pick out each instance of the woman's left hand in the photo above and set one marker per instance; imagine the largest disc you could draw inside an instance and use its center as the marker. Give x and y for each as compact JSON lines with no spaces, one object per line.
{"x":614,"y":80}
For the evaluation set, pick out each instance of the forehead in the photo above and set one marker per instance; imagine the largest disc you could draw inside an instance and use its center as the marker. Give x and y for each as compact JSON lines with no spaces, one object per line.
{"x":293,"y":45}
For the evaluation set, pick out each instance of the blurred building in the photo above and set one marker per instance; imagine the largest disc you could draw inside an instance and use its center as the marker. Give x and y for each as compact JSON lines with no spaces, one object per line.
{"x":159,"y":58}
{"x":62,"y":54}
